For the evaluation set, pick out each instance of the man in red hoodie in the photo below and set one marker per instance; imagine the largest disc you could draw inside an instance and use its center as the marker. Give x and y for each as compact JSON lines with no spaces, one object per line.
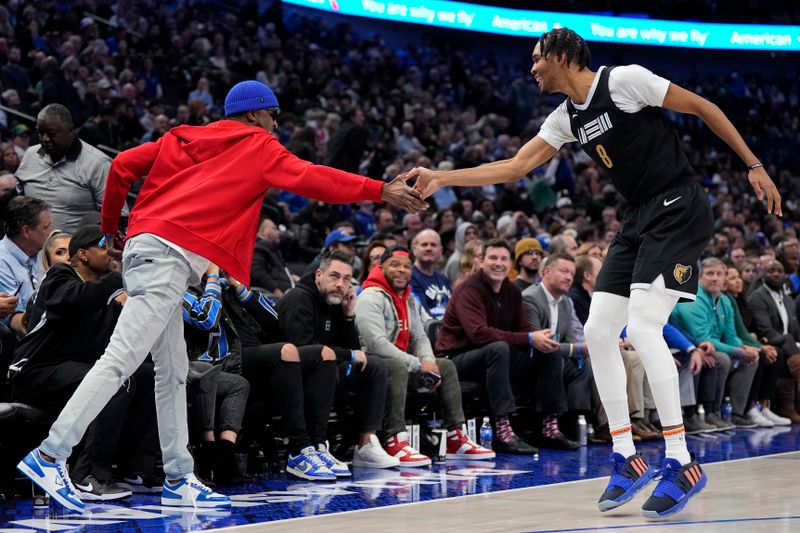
{"x":201,"y":202}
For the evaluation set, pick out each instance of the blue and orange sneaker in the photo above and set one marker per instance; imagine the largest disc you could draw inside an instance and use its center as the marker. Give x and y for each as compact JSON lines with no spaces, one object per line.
{"x":53,"y":479}
{"x":677,"y":486}
{"x":628,"y":477}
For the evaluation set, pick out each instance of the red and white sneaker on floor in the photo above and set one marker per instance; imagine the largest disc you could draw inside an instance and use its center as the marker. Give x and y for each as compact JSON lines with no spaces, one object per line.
{"x":460,"y":446}
{"x":399,"y":447}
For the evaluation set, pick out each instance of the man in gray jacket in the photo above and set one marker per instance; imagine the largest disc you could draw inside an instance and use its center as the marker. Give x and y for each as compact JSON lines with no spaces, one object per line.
{"x":389,"y":323}
{"x":548,"y":307}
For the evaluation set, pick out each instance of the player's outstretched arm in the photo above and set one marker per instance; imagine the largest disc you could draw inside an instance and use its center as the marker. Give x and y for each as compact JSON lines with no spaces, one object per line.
{"x":684,"y":101}
{"x":534,"y":153}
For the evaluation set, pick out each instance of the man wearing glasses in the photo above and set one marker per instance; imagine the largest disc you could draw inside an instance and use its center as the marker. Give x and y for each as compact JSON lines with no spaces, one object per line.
{"x":201,"y":202}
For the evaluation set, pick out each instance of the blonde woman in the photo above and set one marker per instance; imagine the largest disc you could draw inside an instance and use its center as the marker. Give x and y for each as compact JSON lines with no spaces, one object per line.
{"x":56,"y":249}
{"x":470,"y":261}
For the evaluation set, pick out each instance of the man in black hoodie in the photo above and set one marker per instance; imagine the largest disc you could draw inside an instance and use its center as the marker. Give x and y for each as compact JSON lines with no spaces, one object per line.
{"x":70,"y":324}
{"x":269,"y":270}
{"x":321,"y":310}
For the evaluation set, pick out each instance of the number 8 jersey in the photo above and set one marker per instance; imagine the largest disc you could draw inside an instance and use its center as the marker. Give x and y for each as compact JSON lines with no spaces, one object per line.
{"x":622,"y":128}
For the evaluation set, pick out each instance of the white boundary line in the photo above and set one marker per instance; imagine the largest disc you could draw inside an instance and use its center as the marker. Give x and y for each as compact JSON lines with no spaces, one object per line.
{"x":439,"y":500}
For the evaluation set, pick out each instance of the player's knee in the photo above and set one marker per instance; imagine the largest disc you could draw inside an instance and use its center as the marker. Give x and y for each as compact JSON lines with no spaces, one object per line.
{"x":328,"y":354}
{"x":598,"y":329}
{"x":643,"y":329}
{"x":290,"y":354}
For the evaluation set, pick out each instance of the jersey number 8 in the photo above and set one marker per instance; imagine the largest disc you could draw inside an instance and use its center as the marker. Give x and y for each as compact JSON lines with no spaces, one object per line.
{"x":601,"y":151}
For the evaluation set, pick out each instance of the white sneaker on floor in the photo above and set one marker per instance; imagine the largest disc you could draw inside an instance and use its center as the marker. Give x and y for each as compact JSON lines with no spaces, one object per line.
{"x":775,"y":419}
{"x":334,"y":465}
{"x":755,"y":416}
{"x":191,"y":492}
{"x":53,"y":479}
{"x":372,"y":455}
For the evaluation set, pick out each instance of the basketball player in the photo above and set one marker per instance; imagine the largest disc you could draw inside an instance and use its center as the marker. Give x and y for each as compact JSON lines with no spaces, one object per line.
{"x":652,"y":262}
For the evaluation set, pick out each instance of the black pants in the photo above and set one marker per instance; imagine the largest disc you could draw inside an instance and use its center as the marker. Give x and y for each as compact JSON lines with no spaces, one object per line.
{"x":710,"y":383}
{"x":577,"y":386}
{"x":303,"y":392}
{"x":125,"y":429}
{"x":539,"y":377}
{"x":366,"y":391}
{"x":228,"y":400}
{"x":766,"y":378}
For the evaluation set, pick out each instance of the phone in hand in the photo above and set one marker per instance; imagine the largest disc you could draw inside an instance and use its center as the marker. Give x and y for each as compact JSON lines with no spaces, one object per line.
{"x":428,"y":381}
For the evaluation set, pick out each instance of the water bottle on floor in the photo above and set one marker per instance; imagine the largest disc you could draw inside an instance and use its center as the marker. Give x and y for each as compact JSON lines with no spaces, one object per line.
{"x":727,"y":409}
{"x":486,"y":433}
{"x":582,"y":430}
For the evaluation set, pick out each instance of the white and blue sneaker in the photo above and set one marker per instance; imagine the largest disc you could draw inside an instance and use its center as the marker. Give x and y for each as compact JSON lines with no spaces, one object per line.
{"x":190,"y":492}
{"x":53,"y":479}
{"x":336,"y":466}
{"x":309,"y":465}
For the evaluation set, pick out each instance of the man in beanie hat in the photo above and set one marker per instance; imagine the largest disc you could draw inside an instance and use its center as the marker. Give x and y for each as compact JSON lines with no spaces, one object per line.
{"x":70,"y":322}
{"x":527,"y":255}
{"x":201,"y":202}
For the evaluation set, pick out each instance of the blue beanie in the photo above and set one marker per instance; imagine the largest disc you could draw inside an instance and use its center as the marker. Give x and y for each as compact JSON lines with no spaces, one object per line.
{"x":249,"y":95}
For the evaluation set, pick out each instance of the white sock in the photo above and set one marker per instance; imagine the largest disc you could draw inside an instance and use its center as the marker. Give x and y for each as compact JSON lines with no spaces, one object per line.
{"x":676,"y":445}
{"x":622,"y":439}
{"x":649,"y":310}
{"x":608,"y":314}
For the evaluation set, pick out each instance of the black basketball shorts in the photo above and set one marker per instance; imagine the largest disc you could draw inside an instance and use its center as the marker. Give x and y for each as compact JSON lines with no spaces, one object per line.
{"x":664,"y":236}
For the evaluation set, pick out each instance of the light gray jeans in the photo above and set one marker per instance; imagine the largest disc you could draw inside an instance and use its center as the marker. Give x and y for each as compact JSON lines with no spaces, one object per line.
{"x":155,"y":276}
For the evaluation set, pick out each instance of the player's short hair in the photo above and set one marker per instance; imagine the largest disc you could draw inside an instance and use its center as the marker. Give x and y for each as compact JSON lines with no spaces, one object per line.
{"x":565,"y":41}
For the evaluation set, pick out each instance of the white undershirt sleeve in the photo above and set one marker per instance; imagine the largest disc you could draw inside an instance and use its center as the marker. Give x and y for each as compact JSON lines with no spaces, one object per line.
{"x":633,"y":88}
{"x":556,"y":129}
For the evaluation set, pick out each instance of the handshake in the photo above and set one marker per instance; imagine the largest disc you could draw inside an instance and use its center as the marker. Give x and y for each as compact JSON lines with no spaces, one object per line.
{"x":399,"y":194}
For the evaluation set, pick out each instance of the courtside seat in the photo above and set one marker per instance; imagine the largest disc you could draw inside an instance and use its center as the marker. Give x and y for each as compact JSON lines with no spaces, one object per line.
{"x":22,"y":427}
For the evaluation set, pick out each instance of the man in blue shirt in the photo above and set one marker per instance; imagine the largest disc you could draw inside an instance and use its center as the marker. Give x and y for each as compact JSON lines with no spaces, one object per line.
{"x":430,"y":287}
{"x":27,"y":228}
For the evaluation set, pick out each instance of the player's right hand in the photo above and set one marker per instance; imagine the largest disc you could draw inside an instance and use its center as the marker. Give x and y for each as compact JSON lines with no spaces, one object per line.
{"x":426,"y":183}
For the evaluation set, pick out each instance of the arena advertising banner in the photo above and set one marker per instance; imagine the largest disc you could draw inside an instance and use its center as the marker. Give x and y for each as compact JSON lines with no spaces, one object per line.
{"x":524,"y":23}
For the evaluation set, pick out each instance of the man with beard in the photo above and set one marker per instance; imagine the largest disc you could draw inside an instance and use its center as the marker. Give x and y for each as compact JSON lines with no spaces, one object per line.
{"x":615,"y":114}
{"x":527,"y":256}
{"x":388,"y":319}
{"x":429,"y":285}
{"x":321,"y":310}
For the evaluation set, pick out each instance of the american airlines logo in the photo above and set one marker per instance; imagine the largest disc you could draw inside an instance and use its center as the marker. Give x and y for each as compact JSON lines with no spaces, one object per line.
{"x":595,"y":128}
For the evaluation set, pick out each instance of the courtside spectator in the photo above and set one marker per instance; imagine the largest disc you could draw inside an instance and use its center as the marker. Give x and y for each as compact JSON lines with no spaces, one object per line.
{"x":321,"y":310}
{"x":387,"y":317}
{"x":64,"y":171}
{"x":429,"y":285}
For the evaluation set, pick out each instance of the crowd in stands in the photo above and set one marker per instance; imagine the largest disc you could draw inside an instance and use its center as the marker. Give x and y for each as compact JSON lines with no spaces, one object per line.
{"x":355,"y":307}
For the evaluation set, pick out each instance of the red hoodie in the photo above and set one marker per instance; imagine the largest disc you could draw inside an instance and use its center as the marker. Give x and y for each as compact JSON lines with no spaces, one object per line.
{"x":205,"y":186}
{"x":377,"y":279}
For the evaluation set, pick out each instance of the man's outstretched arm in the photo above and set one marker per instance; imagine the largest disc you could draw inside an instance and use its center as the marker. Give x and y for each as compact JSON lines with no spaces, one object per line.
{"x":685,"y":101}
{"x":534,"y":153}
